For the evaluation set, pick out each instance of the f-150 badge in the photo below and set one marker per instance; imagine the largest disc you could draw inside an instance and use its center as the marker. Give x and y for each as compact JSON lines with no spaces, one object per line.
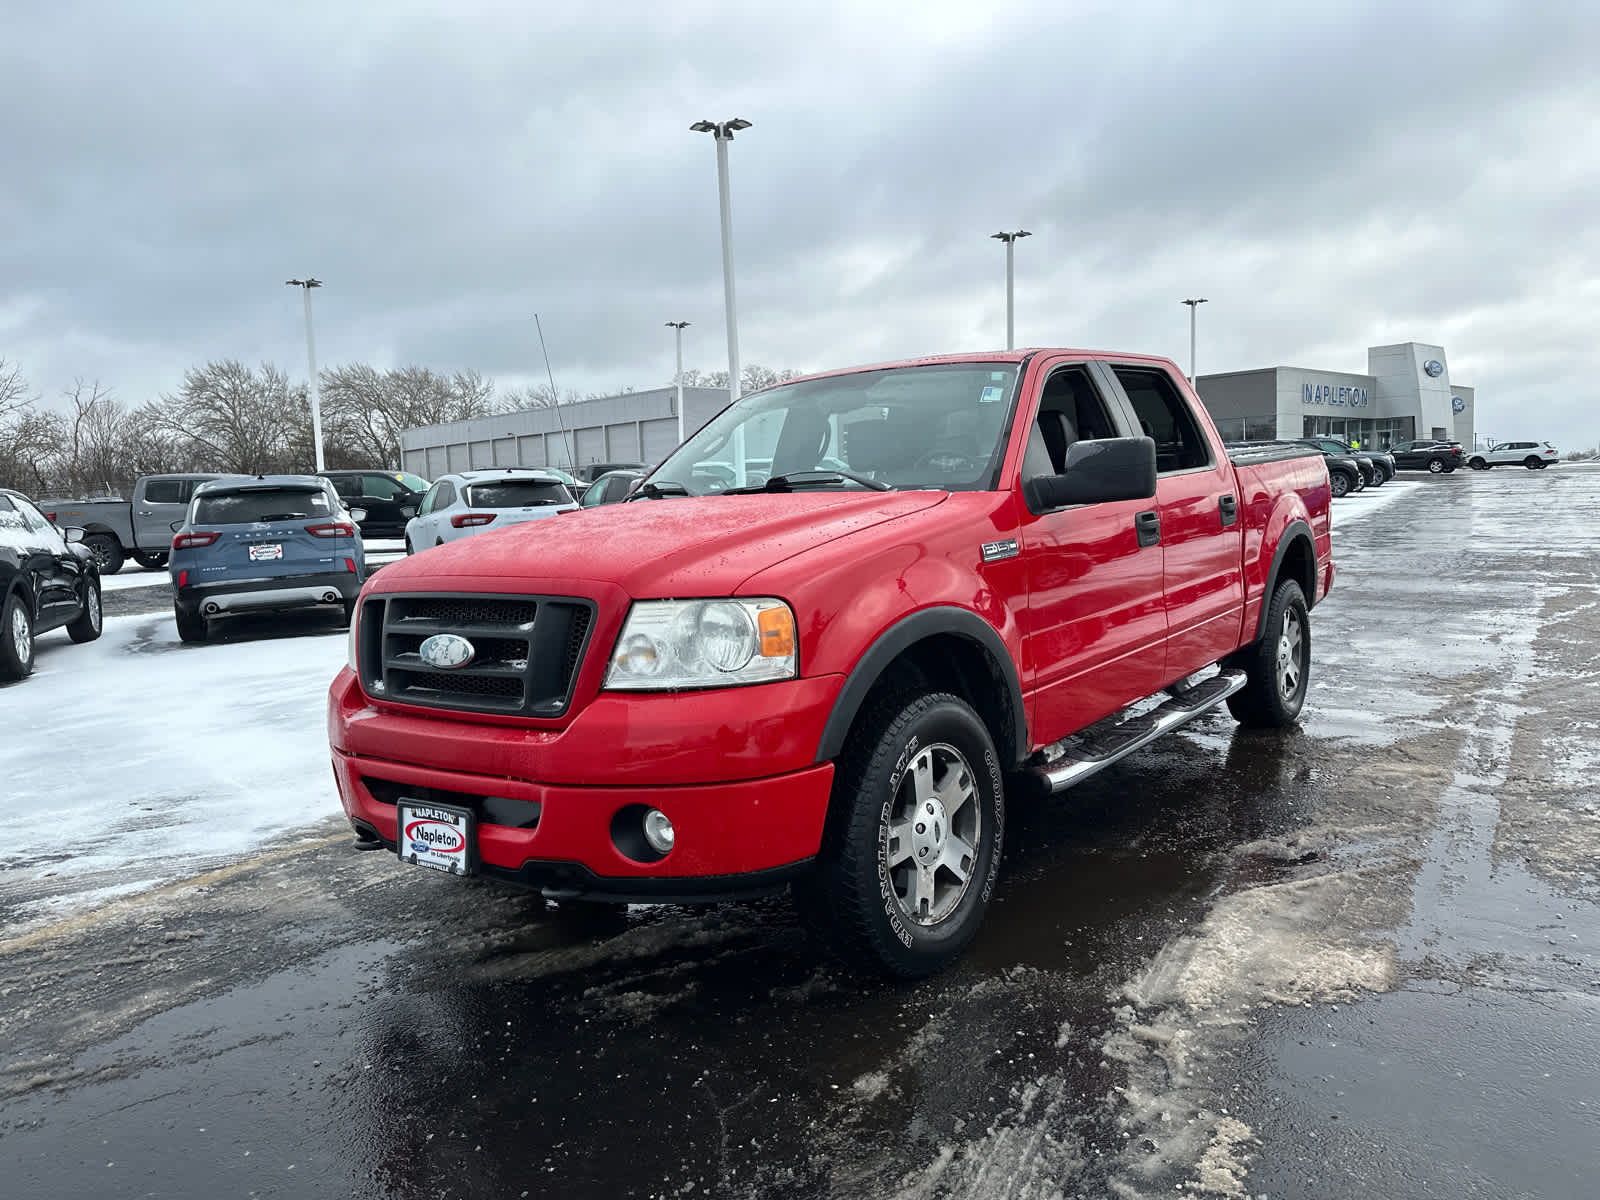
{"x":995,"y":551}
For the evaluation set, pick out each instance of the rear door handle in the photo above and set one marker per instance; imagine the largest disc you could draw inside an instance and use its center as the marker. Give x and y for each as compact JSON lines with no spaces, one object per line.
{"x":1229,"y":507}
{"x":1148,"y":526}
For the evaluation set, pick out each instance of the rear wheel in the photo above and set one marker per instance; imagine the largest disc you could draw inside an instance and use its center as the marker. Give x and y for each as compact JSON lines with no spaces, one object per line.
{"x":192,"y":626}
{"x":16,"y":638}
{"x":150,"y":560}
{"x":1478,"y":464}
{"x":1533,"y":463}
{"x":87,"y":627}
{"x":1435,"y":466}
{"x":912,"y":849}
{"x":1278,"y":666}
{"x":107,"y":552}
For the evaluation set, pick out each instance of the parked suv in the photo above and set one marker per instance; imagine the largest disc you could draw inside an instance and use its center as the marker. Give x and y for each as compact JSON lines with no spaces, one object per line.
{"x":264,"y":543}
{"x":610,"y":488}
{"x":469,"y":502}
{"x":1436,"y":457}
{"x":48,"y":578}
{"x":390,"y":498}
{"x":1533,"y":455}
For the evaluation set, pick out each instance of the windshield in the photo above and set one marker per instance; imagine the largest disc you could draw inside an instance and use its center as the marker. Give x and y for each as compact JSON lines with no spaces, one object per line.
{"x":260,"y":504}
{"x":415,"y":482}
{"x":938,"y":426}
{"x":517,"y":493}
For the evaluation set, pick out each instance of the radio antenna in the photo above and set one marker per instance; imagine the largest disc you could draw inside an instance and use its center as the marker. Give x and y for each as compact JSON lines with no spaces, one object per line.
{"x":555,"y":396}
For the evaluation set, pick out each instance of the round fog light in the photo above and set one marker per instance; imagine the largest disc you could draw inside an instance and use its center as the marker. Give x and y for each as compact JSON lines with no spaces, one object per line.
{"x":658,"y":831}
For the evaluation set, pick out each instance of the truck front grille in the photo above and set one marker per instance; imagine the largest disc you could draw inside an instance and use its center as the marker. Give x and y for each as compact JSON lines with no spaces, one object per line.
{"x":526,"y":651}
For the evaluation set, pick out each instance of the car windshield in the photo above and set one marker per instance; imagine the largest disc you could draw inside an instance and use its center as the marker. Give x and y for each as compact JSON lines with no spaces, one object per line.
{"x":517,"y":493}
{"x":260,"y":504}
{"x":937,"y":426}
{"x":415,"y":482}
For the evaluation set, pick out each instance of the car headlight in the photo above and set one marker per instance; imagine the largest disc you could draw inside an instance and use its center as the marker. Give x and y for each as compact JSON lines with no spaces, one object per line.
{"x":669,"y":644}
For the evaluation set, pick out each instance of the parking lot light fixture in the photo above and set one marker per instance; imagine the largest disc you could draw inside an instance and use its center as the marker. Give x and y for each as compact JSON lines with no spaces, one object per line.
{"x":723,"y":132}
{"x":1193,"y":306}
{"x":1010,"y":239}
{"x":305,"y":285}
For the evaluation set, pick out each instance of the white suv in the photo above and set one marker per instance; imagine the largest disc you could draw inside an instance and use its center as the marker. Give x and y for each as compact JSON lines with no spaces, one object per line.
{"x":1532,"y":455}
{"x":469,"y":502}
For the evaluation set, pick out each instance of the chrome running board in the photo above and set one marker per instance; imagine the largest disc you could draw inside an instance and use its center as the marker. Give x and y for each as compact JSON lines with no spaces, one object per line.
{"x":1074,"y":759}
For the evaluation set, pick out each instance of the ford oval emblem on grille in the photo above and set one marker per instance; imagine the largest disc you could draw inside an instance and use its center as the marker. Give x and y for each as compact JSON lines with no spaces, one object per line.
{"x":446,"y":651}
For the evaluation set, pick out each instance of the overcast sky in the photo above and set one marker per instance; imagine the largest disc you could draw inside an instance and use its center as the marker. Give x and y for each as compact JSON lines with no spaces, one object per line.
{"x":1383,"y":172}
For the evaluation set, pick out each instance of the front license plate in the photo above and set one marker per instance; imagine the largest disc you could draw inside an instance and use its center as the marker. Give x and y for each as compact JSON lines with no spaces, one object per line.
{"x":264,"y":551}
{"x":436,"y":835}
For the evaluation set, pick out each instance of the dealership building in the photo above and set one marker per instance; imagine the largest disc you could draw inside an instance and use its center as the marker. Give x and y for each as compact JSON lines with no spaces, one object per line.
{"x":631,"y":427}
{"x":1405,"y":395}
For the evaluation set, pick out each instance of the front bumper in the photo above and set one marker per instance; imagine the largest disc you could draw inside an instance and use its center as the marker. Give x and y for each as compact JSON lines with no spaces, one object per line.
{"x":734,"y":771}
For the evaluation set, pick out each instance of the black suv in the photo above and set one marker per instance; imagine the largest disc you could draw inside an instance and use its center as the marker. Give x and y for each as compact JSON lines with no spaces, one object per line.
{"x":48,"y":578}
{"x":389,"y":497}
{"x":1439,"y":458}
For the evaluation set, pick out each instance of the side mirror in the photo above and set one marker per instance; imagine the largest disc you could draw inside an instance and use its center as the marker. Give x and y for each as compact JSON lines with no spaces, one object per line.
{"x":408,"y":511}
{"x":358,"y":515}
{"x":73,"y":533}
{"x":1097,"y":472}
{"x":175,"y":526}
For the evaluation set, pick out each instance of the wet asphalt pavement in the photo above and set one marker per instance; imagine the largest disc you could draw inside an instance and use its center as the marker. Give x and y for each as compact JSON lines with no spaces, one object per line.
{"x":1358,"y":958}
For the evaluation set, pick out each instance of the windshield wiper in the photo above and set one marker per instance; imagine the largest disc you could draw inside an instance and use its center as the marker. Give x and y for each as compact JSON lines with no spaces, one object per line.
{"x":655,"y":491}
{"x":799,"y":479}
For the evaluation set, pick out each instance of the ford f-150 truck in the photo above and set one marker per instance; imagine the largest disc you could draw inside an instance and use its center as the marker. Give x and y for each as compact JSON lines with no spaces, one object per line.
{"x":946,"y":580}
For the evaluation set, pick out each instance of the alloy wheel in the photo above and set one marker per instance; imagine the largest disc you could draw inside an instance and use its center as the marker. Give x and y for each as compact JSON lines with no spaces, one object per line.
{"x":1290,"y":640}
{"x":930,"y":843}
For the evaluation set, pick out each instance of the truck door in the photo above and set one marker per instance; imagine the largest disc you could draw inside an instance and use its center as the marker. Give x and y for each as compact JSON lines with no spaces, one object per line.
{"x":157,"y":503}
{"x":1095,"y":626}
{"x":1201,"y":534}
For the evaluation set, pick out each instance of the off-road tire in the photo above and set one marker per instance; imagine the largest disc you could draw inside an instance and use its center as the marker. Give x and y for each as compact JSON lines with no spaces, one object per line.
{"x":15,"y":663}
{"x":192,"y":627}
{"x":851,"y":901}
{"x":107,"y":552}
{"x":91,"y":620}
{"x":1267,"y":700}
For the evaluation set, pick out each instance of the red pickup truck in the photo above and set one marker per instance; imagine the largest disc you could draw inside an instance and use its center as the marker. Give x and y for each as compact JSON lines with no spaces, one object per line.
{"x":827,"y":635}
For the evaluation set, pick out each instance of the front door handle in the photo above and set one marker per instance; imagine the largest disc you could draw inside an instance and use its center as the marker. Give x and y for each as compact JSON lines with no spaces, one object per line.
{"x":1148,"y":526}
{"x":1229,"y":507}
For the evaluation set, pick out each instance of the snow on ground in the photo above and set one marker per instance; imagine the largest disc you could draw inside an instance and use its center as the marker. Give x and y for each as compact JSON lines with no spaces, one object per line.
{"x":135,"y":759}
{"x":1358,"y":505}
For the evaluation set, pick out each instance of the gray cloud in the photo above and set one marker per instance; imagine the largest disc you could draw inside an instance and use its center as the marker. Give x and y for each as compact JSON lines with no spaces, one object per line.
{"x":1331,"y":181}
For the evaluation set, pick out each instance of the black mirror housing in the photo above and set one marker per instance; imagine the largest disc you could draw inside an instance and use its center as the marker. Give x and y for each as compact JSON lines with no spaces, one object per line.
{"x":1097,"y":472}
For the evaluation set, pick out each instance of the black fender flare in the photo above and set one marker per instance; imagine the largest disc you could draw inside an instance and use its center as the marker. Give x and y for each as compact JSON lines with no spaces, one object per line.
{"x":98,"y":527}
{"x":1295,"y":531}
{"x":924,"y":623}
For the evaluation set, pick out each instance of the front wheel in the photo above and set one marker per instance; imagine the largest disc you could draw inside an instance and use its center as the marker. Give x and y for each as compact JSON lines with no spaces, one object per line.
{"x":912,"y":850}
{"x":1278,"y":666}
{"x":16,"y":638}
{"x":1341,"y":484}
{"x":87,"y":625}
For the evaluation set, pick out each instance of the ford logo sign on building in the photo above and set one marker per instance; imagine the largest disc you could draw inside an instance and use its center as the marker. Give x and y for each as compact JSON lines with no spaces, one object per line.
{"x":1457,"y":404}
{"x":1433,"y":367}
{"x":446,"y":651}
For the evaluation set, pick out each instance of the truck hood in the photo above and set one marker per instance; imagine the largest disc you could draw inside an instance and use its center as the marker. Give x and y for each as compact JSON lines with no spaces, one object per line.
{"x":690,"y":546}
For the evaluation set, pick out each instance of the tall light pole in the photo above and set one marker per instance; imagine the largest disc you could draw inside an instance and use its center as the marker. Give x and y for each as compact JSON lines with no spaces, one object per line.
{"x":1193,"y":305}
{"x":723,"y":131}
{"x":679,"y":327}
{"x":1010,"y":239}
{"x":305,"y":285}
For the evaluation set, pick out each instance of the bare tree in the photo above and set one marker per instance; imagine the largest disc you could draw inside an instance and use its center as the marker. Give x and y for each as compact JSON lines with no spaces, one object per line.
{"x":242,"y":420}
{"x":365,"y":411}
{"x":540,"y":395}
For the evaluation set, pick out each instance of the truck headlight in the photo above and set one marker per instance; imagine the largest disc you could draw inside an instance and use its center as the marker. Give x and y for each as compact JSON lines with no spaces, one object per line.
{"x":670,"y":644}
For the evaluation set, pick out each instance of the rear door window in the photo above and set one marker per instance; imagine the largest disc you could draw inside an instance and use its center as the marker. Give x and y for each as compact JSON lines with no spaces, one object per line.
{"x":261,"y":504}
{"x":517,"y":493}
{"x":164,"y":491}
{"x":1164,"y":417}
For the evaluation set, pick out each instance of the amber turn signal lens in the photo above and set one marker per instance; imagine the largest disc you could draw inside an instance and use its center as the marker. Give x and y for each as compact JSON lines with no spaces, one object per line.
{"x":776,"y":626}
